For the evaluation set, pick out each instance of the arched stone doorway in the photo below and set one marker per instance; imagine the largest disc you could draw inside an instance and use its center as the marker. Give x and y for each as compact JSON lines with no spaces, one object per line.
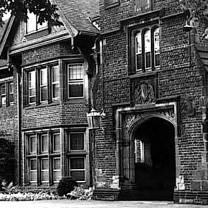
{"x":154,"y":159}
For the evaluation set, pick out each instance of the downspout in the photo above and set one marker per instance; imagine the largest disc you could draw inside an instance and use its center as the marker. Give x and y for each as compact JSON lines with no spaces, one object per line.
{"x":19,"y":124}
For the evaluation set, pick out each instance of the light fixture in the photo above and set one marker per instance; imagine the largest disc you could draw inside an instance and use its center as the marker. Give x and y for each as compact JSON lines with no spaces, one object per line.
{"x":187,"y":27}
{"x":94,"y":118}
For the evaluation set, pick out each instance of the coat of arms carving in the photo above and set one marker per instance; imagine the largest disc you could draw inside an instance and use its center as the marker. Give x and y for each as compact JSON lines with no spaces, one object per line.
{"x":144,"y":93}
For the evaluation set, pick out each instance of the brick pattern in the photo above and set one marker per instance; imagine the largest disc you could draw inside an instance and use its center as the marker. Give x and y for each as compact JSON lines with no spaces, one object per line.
{"x":46,"y":52}
{"x":179,"y":75}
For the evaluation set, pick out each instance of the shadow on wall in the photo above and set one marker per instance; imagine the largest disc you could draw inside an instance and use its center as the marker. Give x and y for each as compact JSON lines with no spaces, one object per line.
{"x":7,"y":160}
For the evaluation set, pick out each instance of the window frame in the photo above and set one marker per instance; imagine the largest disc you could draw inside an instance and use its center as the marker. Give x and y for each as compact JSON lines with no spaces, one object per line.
{"x":78,"y":169}
{"x":79,"y":153}
{"x":44,"y":170}
{"x":3,"y":95}
{"x":11,"y":93}
{"x":31,"y":87}
{"x":56,"y":170}
{"x":32,"y":171}
{"x":75,"y":81}
{"x":54,"y":83}
{"x":39,"y":155}
{"x":43,"y":85}
{"x":35,"y":72}
{"x":132,"y":49}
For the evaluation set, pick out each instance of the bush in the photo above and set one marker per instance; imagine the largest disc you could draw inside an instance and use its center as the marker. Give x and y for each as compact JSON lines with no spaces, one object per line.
{"x":66,"y":185}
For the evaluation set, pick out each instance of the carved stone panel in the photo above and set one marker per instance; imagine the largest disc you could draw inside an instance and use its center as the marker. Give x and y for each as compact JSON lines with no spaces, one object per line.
{"x":143,"y":90}
{"x":166,"y":113}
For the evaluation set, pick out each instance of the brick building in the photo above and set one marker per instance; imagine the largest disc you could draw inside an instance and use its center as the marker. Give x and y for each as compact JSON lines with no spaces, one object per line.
{"x":153,"y":90}
{"x":150,"y":80}
{"x":45,"y":81}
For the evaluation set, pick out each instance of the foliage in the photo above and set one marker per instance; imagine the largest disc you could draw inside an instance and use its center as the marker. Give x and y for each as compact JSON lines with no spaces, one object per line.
{"x":23,"y":194}
{"x":66,"y":185}
{"x":80,"y":193}
{"x":198,"y":8}
{"x":44,"y":9}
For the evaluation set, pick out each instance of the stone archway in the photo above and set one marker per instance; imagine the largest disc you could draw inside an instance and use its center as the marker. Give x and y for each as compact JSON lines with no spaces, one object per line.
{"x":153,"y":159}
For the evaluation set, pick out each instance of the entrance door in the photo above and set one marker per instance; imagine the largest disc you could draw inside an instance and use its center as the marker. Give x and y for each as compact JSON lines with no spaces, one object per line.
{"x":154,"y":157}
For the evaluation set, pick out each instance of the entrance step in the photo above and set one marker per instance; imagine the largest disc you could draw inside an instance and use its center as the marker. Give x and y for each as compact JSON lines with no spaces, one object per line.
{"x":135,"y":194}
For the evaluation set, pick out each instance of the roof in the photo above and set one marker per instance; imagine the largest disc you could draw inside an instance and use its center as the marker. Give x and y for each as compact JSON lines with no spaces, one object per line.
{"x":3,"y":28}
{"x":79,"y":12}
{"x":75,"y":14}
{"x":3,"y":63}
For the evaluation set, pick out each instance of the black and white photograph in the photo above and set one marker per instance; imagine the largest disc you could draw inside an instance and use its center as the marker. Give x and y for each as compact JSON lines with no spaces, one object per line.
{"x":103,"y":103}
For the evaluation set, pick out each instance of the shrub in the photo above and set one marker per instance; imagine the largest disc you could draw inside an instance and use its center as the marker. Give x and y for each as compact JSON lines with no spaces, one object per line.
{"x":66,"y":185}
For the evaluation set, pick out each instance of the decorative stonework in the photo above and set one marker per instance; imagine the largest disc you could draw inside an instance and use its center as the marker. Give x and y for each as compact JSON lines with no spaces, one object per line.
{"x":166,"y":113}
{"x":144,"y":90}
{"x":144,"y":93}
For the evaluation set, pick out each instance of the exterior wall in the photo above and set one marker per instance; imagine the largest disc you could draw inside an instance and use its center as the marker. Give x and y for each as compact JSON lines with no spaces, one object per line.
{"x":63,"y":116}
{"x":178,"y":76}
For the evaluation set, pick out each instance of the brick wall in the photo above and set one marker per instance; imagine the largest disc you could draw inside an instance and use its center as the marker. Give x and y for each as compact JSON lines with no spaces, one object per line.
{"x":178,"y":75}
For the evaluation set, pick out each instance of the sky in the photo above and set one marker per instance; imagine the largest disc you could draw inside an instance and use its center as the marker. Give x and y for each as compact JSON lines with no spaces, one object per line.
{"x":6,"y":16}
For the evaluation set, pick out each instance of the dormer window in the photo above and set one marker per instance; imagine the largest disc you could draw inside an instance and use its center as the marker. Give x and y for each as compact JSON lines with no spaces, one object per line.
{"x":32,"y":24}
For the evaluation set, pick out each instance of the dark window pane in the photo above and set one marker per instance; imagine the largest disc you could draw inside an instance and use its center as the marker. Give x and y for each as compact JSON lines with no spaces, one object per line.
{"x":148,"y":59}
{"x":43,"y":93}
{"x":157,"y":59}
{"x":77,"y":163}
{"x":44,"y":143}
{"x":77,"y":141}
{"x":139,"y":61}
{"x":56,"y":142}
{"x":44,"y":164}
{"x":55,"y":90}
{"x":76,"y":90}
{"x":33,"y":165}
{"x":32,"y":144}
{"x":32,"y":99}
{"x":78,"y":175}
{"x":56,"y":164}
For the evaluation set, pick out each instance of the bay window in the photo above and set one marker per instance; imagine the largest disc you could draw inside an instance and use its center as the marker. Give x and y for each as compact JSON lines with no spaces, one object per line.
{"x":43,"y":156}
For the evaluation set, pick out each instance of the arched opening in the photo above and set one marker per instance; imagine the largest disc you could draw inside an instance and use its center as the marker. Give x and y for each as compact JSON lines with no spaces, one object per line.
{"x":154,"y":159}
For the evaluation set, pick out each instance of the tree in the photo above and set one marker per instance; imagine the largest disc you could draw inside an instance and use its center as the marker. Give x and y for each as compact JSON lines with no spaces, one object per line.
{"x":197,"y":8}
{"x":44,"y":9}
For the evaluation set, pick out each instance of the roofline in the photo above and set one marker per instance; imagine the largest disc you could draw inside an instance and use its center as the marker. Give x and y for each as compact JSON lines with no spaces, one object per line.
{"x":6,"y":33}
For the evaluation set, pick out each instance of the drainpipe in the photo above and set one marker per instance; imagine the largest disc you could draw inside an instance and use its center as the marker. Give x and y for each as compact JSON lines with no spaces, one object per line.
{"x":19,"y":125}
